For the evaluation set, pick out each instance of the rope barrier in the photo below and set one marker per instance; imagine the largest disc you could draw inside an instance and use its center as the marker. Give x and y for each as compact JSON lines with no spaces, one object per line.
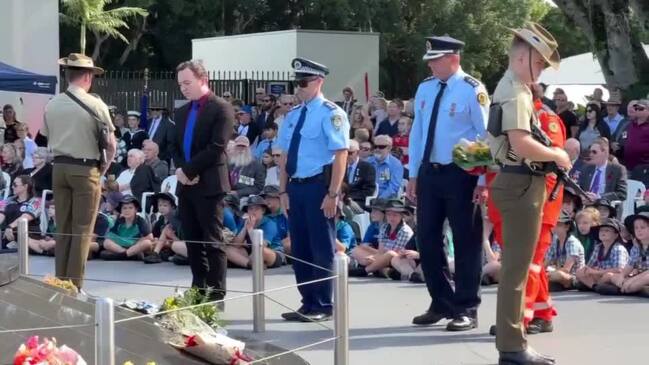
{"x":225,"y":299}
{"x":309,"y":263}
{"x":47,"y":328}
{"x":143,"y":284}
{"x":293,"y":350}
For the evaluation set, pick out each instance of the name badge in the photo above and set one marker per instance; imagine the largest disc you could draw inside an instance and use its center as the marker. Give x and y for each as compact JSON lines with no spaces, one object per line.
{"x":385,"y":175}
{"x":245,"y":180}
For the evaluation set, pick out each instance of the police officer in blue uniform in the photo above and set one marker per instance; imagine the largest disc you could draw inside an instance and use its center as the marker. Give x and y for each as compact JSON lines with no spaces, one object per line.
{"x":449,"y":105}
{"x":314,"y":139}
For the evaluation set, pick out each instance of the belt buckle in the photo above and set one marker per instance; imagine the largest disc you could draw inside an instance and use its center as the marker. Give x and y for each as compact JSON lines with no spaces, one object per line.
{"x":436,"y":166}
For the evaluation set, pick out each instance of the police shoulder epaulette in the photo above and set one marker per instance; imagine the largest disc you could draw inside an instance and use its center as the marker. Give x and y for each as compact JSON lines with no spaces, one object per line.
{"x":471,"y":81}
{"x":330,"y":105}
{"x":296,"y":107}
{"x":429,"y":78}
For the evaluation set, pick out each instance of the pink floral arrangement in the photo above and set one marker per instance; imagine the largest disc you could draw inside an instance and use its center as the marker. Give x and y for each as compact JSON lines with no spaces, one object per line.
{"x":46,"y":352}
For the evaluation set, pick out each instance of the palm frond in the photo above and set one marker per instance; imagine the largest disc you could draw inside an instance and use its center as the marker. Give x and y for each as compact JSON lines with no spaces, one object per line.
{"x":126,"y":12}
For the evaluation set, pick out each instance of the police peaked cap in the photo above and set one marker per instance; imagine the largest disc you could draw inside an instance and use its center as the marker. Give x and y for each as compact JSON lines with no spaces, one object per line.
{"x":437,"y":47}
{"x":305,"y":68}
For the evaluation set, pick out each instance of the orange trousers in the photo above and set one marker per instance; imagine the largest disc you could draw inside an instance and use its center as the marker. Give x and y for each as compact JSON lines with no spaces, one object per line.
{"x":538,"y":303}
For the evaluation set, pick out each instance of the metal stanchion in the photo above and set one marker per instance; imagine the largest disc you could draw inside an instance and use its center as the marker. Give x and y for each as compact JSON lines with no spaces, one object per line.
{"x":258,"y":303}
{"x":23,"y":247}
{"x":341,"y":310}
{"x":104,"y":332}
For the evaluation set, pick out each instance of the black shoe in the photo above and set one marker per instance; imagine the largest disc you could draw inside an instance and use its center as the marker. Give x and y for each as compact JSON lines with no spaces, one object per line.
{"x":582,"y":287}
{"x":315,"y":317}
{"x":394,"y":274}
{"x":152,"y":258}
{"x":492,"y":330}
{"x":294,"y":316}
{"x":383,"y":273}
{"x":165,"y":254}
{"x":179,"y":260}
{"x":357,"y":272}
{"x":415,"y":277}
{"x":462,"y":323}
{"x":527,"y":357}
{"x":487,"y":280}
{"x":556,"y":287}
{"x":608,"y":289}
{"x":538,"y":325}
{"x":112,"y":256}
{"x":428,"y":318}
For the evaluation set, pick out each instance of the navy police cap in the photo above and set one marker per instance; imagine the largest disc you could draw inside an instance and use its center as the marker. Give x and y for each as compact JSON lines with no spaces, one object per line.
{"x":305,"y":68}
{"x":437,"y":47}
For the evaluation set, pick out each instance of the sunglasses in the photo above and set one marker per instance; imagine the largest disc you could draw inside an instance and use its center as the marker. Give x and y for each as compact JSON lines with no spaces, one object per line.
{"x":381,"y":147}
{"x":304,"y":82}
{"x":590,"y":111}
{"x":593,"y":152}
{"x":366,"y":149}
{"x":639,"y":108}
{"x":287,"y":104}
{"x":276,"y":155}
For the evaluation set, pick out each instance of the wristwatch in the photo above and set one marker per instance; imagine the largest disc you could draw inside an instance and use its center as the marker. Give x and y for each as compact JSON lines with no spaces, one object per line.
{"x":332,"y":195}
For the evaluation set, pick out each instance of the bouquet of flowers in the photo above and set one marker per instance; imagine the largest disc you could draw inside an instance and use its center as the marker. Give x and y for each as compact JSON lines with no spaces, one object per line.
{"x":66,"y":285}
{"x":35,"y":352}
{"x":214,"y":348}
{"x":468,"y":154}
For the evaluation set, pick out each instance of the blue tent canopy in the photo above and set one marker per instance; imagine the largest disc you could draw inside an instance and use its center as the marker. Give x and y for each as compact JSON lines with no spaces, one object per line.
{"x":15,"y":79}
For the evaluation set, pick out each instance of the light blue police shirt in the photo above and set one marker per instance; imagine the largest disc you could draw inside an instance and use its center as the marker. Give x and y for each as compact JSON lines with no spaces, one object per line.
{"x":325,"y":131}
{"x":461,"y":115}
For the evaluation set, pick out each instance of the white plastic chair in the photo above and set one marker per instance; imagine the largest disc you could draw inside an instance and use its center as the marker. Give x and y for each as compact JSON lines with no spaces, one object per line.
{"x":363,"y":221}
{"x":368,"y":200}
{"x":44,"y":219}
{"x":7,"y":189}
{"x":634,"y":196}
{"x":169,"y":185}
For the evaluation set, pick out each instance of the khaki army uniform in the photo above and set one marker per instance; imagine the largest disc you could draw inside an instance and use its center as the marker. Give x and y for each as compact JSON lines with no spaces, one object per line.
{"x":519,"y":195}
{"x":73,"y":139}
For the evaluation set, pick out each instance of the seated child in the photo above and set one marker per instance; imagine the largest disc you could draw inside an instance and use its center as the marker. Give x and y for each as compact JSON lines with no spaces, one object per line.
{"x":605,"y":209}
{"x":271,"y":195}
{"x":345,"y":237}
{"x":571,"y":203}
{"x":609,"y":256}
{"x":634,"y":278}
{"x":587,"y":219}
{"x":165,"y":204}
{"x":491,"y":269}
{"x":564,"y":257}
{"x":103,"y":223}
{"x":239,"y":253}
{"x":130,"y":237}
{"x":45,"y":244}
{"x":371,"y":239}
{"x":407,"y":265}
{"x":393,"y":237}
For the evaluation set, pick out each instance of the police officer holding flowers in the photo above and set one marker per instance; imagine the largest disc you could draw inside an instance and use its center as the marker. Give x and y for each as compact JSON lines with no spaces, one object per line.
{"x":449,"y":106}
{"x":314,"y":139}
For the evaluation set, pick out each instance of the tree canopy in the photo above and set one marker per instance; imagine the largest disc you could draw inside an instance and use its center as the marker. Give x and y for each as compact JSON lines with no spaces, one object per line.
{"x":163,"y":39}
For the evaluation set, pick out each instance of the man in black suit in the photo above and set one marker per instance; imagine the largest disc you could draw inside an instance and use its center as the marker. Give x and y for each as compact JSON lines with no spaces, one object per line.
{"x":360,"y":175}
{"x":162,"y":130}
{"x":204,"y":127}
{"x":246,"y":128}
{"x":265,"y":116}
{"x":348,"y":102}
{"x":601,"y":178}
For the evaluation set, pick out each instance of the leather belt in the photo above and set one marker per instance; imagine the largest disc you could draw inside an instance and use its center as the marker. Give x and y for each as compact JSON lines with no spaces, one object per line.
{"x":521,"y":170}
{"x":306,"y":180}
{"x":438,"y":167}
{"x":76,"y":161}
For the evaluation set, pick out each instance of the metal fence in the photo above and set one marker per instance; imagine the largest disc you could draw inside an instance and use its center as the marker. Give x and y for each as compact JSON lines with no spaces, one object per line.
{"x":124,"y":89}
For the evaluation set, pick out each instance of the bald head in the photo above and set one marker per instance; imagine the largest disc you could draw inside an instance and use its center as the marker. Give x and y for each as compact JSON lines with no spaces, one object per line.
{"x":572,"y":147}
{"x":150,"y":150}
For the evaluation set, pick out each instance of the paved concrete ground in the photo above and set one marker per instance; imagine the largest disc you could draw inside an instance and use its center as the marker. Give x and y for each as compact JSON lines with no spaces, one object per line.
{"x":589,"y":329}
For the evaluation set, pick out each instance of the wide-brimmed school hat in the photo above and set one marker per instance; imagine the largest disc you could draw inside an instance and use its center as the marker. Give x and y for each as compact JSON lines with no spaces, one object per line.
{"x":255,"y":200}
{"x":129,"y":199}
{"x":233,"y":202}
{"x":564,"y":217}
{"x":396,"y":205}
{"x":611,"y":222}
{"x":541,"y":40}
{"x":270,"y":191}
{"x":164,"y":196}
{"x":572,"y":193}
{"x":630,"y":220}
{"x":78,"y":60}
{"x":608,"y":204}
{"x":614,"y":98}
{"x":376,"y":203}
{"x":113,"y":198}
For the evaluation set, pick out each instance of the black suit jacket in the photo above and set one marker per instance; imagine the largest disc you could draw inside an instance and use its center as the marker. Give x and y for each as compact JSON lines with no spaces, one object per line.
{"x":208,"y":159}
{"x":165,"y":137}
{"x":615,"y":180}
{"x":253,"y":132}
{"x":363,"y":182}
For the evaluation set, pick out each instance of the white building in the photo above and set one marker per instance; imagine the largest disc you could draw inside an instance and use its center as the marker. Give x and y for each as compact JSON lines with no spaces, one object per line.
{"x":350,"y":56}
{"x":29,"y":40}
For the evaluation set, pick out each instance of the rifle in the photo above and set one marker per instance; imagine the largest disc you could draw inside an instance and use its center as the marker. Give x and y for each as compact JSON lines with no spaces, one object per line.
{"x":552,"y":167}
